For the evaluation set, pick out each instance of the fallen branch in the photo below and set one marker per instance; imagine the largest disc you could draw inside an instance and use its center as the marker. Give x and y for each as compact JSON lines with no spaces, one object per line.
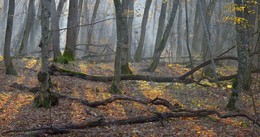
{"x":134,"y":120}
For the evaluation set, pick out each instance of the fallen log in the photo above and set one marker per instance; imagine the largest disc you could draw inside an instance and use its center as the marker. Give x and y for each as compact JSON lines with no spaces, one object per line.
{"x":54,"y":70}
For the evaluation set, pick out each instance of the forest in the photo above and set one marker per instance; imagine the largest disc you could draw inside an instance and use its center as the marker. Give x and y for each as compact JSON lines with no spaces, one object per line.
{"x":129,"y":68}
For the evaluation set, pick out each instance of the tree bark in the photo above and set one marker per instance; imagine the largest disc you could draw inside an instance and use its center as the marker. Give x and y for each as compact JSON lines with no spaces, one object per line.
{"x":10,"y":70}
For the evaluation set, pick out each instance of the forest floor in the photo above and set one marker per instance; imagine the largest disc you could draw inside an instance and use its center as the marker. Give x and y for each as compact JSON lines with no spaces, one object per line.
{"x":17,"y":111}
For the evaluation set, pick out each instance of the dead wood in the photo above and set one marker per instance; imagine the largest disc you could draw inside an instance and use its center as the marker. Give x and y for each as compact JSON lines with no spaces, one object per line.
{"x":134,"y":120}
{"x":54,"y":70}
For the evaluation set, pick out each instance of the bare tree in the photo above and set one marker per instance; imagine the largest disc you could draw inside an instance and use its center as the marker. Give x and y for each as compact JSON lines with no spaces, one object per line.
{"x":55,"y":36}
{"x":10,"y":70}
{"x":161,"y":25}
{"x":162,"y":45}
{"x":139,"y":50}
{"x":69,"y":52}
{"x":94,"y":15}
{"x":45,"y":98}
{"x":122,"y":41}
{"x":28,"y":26}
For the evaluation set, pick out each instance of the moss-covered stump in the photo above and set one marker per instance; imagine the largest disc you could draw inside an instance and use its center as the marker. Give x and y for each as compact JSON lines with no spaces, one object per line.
{"x":125,"y":69}
{"x":46,"y":100}
{"x":114,"y":89}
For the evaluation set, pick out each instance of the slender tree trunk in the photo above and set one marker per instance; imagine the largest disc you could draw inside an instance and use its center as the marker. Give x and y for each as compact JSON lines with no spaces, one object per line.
{"x":55,"y":35}
{"x":94,"y":15}
{"x":179,"y":36}
{"x":159,"y":50}
{"x":60,"y":7}
{"x":122,"y":40}
{"x":196,"y":29}
{"x":130,"y":20}
{"x":187,"y":34}
{"x":209,"y":44}
{"x":45,"y":99}
{"x":28,"y":26}
{"x":160,"y":25}
{"x":139,"y":50}
{"x":207,"y":13}
{"x":10,"y":70}
{"x":71,"y":39}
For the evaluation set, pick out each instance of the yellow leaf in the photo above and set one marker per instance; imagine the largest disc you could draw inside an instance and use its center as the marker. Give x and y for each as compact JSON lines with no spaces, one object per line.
{"x":229,"y":86}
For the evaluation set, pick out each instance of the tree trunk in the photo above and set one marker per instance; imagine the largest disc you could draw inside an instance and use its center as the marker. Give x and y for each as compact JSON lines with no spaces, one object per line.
{"x":160,"y":25}
{"x":45,"y":99}
{"x":187,"y":34}
{"x":159,"y":50}
{"x":179,"y":36}
{"x":55,"y":35}
{"x":125,"y":47}
{"x":94,"y":15}
{"x":130,"y":20}
{"x":10,"y":70}
{"x":28,"y":25}
{"x":243,"y":80}
{"x":139,"y":50}
{"x":121,"y":41}
{"x":71,"y":39}
{"x":207,"y":13}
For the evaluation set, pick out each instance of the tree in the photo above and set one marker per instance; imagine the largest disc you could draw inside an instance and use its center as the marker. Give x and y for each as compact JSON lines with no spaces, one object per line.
{"x":55,"y":36}
{"x":71,"y":38}
{"x":10,"y":70}
{"x":209,"y":43}
{"x":125,"y":47}
{"x":162,"y":45}
{"x":45,"y":98}
{"x":28,"y":24}
{"x":243,"y":79}
{"x":139,"y":50}
{"x":122,"y":41}
{"x":160,"y":25}
{"x":94,"y":15}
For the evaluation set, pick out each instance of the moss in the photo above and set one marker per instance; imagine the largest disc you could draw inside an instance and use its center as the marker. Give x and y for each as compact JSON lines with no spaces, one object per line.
{"x":232,"y":101}
{"x":234,"y":84}
{"x":114,"y":89}
{"x":125,"y":69}
{"x":61,"y":60}
{"x":69,"y":56}
{"x":46,"y":100}
{"x":11,"y":71}
{"x":71,"y":72}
